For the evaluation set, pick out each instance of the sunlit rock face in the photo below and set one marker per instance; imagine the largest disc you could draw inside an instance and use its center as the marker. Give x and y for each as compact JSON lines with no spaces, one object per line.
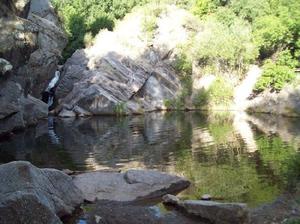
{"x":31,"y":42}
{"x":286,"y":102}
{"x":125,"y":71}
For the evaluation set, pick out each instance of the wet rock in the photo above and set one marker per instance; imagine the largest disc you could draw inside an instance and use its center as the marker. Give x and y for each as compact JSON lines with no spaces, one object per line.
{"x":133,"y":185}
{"x":32,"y":195}
{"x":221,"y":213}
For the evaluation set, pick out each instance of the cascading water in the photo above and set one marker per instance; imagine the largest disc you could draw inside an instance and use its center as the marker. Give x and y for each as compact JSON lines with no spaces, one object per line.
{"x":48,"y":94}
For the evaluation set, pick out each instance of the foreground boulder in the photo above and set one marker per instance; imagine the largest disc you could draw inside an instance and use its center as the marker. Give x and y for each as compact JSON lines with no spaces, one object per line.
{"x":215,"y":212}
{"x":133,"y":185}
{"x":32,"y":195}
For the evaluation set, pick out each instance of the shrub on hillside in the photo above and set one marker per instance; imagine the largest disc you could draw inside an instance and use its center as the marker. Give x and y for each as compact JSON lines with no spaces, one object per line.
{"x":89,"y":16}
{"x":222,"y":48}
{"x":219,"y":93}
{"x":277,"y":74}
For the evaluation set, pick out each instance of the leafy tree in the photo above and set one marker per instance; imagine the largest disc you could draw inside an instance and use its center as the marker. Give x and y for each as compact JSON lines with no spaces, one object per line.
{"x":277,"y":74}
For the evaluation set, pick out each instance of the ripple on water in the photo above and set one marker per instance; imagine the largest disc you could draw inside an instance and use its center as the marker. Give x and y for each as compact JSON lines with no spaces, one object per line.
{"x":249,"y":160}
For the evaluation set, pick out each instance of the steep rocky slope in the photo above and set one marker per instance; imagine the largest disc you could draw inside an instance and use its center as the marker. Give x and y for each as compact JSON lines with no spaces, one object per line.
{"x":130,"y":70}
{"x":286,"y":102}
{"x":30,"y":45}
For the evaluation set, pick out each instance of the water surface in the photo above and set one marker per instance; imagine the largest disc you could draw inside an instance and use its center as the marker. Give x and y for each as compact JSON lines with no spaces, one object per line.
{"x":243,"y":158}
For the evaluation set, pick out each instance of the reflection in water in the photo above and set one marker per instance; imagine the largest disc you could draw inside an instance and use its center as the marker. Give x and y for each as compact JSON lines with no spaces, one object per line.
{"x":51,"y":131}
{"x":232,"y":157}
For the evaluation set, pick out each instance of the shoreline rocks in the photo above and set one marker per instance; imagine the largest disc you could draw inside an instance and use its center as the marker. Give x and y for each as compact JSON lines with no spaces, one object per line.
{"x":32,"y":195}
{"x":215,"y":212}
{"x":133,"y":185}
{"x":285,"y":103}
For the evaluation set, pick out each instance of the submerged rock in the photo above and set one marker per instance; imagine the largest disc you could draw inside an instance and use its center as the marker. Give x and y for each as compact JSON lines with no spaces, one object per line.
{"x":133,"y":185}
{"x":32,"y":195}
{"x":215,"y":212}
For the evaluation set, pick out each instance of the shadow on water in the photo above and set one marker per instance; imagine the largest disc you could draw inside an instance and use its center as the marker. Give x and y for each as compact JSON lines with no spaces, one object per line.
{"x":232,"y":157}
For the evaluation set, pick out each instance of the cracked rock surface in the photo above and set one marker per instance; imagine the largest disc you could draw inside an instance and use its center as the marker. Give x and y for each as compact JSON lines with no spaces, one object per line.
{"x":133,"y":185}
{"x":32,"y":195}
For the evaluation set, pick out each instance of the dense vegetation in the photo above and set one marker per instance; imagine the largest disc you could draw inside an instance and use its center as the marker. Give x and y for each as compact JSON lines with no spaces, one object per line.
{"x":235,"y":34}
{"x":83,"y":19}
{"x":240,"y":32}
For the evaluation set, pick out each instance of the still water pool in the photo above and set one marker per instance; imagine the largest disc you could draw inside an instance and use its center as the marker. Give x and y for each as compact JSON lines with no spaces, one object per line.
{"x":233,"y":157}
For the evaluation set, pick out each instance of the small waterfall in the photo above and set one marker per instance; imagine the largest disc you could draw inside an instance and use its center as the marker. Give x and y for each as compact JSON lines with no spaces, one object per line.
{"x":48,"y":94}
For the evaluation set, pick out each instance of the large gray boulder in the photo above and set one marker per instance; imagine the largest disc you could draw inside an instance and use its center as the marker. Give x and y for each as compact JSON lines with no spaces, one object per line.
{"x":133,"y":185}
{"x":17,"y":111}
{"x":32,"y":195}
{"x":123,"y":71}
{"x":286,"y":102}
{"x":215,"y":212}
{"x":31,"y":42}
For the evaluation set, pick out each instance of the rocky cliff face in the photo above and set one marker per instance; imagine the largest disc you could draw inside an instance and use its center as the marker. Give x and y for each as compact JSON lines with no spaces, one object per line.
{"x":286,"y":102}
{"x":125,"y":71}
{"x":30,"y":45}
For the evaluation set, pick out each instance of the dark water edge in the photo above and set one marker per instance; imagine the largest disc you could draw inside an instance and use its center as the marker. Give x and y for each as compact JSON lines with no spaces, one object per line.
{"x":233,"y":157}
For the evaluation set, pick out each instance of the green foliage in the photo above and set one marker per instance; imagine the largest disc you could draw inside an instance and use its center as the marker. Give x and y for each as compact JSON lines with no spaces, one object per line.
{"x":89,"y":16}
{"x":250,"y":9}
{"x":277,"y":74}
{"x":120,"y":108}
{"x":203,"y":8}
{"x":223,"y":47}
{"x":201,"y":99}
{"x":281,"y":158}
{"x":219,"y":93}
{"x":292,"y":221}
{"x":269,"y":33}
{"x":151,"y":14}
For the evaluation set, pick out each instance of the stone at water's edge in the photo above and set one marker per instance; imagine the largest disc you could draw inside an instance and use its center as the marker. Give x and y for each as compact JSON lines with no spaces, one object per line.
{"x":215,"y":212}
{"x":29,"y":195}
{"x":286,"y":102}
{"x":133,"y":185}
{"x":107,"y":212}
